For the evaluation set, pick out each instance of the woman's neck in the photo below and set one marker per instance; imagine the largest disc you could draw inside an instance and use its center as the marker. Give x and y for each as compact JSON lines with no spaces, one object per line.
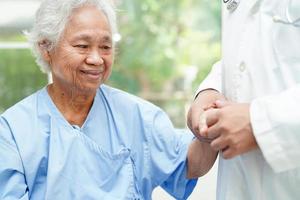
{"x":73,"y":104}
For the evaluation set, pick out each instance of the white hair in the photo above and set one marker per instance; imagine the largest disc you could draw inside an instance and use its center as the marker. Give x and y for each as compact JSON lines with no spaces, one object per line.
{"x":51,"y":19}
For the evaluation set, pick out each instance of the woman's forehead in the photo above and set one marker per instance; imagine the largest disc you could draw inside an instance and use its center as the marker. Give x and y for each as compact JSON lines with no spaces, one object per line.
{"x":88,"y":16}
{"x":87,"y":22}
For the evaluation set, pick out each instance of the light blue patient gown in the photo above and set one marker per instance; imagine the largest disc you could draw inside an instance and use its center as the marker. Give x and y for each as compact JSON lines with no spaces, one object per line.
{"x":125,"y":148}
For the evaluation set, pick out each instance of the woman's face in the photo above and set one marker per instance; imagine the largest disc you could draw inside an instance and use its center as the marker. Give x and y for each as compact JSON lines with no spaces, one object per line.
{"x":83,"y":57}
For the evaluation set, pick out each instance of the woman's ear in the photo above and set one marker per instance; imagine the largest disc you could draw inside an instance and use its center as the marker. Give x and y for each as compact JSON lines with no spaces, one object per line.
{"x":44,"y":47}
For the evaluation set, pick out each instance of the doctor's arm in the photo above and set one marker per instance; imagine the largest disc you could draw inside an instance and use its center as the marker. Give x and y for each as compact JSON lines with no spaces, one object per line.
{"x":276,"y":125}
{"x":12,"y":180}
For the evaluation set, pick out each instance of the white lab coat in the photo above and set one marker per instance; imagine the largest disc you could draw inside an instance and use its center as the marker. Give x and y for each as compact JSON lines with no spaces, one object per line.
{"x":261,"y":65}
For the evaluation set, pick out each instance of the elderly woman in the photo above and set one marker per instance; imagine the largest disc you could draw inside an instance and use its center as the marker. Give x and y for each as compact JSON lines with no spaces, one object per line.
{"x":79,"y":139}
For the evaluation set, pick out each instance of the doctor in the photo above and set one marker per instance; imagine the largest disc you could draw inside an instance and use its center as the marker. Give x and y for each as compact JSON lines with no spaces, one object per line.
{"x":248,"y":106}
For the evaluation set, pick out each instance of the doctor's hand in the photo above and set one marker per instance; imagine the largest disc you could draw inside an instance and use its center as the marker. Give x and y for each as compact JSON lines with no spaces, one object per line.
{"x":230,"y":129}
{"x":196,"y":119}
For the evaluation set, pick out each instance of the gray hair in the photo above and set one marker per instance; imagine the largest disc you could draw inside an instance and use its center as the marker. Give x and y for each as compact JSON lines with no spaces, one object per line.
{"x":51,"y":19}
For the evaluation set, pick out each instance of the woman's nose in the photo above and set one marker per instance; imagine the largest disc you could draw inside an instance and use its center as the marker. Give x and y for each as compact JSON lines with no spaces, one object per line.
{"x":94,"y":58}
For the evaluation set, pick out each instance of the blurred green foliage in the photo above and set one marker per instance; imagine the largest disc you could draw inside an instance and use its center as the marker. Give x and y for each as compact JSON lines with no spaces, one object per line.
{"x":161,"y":39}
{"x":19,"y":76}
{"x":161,"y":42}
{"x":15,"y":37}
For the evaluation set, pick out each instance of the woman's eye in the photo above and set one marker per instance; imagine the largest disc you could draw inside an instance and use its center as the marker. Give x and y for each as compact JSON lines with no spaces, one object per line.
{"x":106,"y":47}
{"x":82,"y":46}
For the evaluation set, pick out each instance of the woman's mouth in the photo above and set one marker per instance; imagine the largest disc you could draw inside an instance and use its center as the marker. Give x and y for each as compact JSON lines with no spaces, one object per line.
{"x":92,"y":74}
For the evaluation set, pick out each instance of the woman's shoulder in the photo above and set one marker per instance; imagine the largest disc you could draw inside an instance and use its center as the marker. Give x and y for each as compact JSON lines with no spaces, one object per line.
{"x":24,"y":108}
{"x":25,"y":118}
{"x":129,"y":108}
{"x":122,"y":98}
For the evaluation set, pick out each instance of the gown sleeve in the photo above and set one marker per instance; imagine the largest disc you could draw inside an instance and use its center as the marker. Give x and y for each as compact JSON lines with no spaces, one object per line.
{"x":12,"y":180}
{"x":168,"y":155}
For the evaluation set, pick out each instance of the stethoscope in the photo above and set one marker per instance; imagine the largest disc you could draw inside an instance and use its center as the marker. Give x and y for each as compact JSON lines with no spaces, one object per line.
{"x":231,"y":4}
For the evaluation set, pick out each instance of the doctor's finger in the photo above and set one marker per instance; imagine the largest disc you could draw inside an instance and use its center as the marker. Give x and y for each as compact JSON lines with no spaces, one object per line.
{"x":222,"y":103}
{"x":229,"y":153}
{"x":213,"y":131}
{"x":203,"y":125}
{"x":219,"y":143}
{"x":212,"y":116}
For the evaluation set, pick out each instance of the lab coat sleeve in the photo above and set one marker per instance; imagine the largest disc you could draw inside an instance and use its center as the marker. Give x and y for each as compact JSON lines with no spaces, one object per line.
{"x":213,"y":79}
{"x":12,"y":180}
{"x":168,"y":157}
{"x":275,"y":122}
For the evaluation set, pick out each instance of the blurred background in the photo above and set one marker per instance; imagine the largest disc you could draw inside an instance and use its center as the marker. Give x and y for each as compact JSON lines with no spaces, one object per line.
{"x":165,"y":50}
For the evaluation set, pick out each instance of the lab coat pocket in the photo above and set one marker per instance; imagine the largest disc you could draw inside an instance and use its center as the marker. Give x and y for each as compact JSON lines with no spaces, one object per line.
{"x":286,"y":46}
{"x":80,"y":169}
{"x":284,"y":11}
{"x":293,"y":12}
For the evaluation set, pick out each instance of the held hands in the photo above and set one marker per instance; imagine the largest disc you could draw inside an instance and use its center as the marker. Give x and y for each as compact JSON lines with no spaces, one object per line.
{"x":227,"y":127}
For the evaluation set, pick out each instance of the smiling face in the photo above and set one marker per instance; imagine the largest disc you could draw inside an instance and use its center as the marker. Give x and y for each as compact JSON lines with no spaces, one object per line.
{"x":83,"y":57}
